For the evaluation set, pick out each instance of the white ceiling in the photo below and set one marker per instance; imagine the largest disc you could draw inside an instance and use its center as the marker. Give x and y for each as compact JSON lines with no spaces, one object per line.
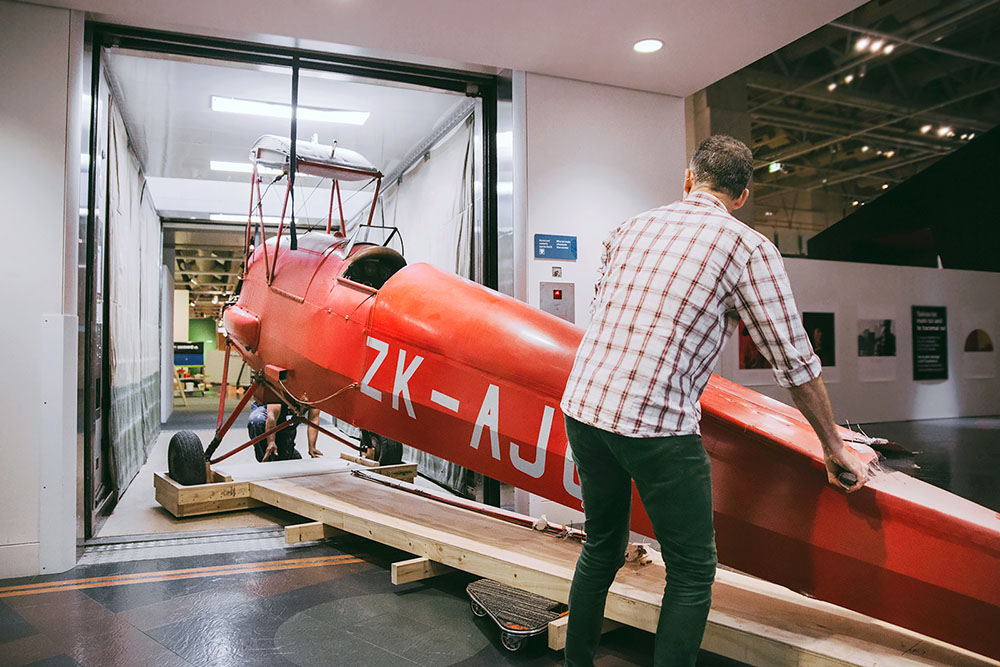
{"x":166,"y":103}
{"x":589,"y":40}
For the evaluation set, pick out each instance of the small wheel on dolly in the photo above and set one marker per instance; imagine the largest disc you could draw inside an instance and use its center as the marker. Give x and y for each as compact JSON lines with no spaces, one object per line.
{"x":511,"y":642}
{"x":477,"y":609}
{"x":186,"y":458}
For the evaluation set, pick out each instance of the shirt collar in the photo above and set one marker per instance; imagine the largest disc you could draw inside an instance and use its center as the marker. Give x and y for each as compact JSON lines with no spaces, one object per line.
{"x":702,"y":198}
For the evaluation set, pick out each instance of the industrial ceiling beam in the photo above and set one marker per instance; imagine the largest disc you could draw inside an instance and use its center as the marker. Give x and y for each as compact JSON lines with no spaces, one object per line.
{"x":993,"y":84}
{"x":915,"y":43}
{"x":870,"y":57}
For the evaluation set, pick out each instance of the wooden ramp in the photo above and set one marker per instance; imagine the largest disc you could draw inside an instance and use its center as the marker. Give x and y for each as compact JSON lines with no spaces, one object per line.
{"x":751,"y":620}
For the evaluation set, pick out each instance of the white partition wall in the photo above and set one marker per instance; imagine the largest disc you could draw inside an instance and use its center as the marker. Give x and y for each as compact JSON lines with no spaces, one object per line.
{"x":868,"y":389}
{"x":594,"y":156}
{"x":40,"y":51}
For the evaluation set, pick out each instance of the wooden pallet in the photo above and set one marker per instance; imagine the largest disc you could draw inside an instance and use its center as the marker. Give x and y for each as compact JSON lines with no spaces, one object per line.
{"x":751,"y":620}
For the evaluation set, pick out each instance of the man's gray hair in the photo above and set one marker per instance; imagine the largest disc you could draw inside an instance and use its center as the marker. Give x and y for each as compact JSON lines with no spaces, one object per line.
{"x":724,"y":164}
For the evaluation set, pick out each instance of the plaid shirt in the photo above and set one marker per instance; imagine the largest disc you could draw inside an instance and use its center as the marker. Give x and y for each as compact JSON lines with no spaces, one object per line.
{"x":668,"y":278}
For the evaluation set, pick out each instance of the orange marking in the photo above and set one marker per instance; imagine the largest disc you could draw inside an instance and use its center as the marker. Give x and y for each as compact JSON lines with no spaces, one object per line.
{"x":174,"y":575}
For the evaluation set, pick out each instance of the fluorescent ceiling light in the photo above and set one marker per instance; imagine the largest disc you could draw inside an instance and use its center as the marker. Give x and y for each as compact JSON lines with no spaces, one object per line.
{"x":233,"y":217}
{"x":240,"y":167}
{"x":647,"y":46}
{"x":274,"y":110}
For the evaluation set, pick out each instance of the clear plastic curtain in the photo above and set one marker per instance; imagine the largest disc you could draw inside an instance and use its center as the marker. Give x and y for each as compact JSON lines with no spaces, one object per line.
{"x":133,"y":266}
{"x":433,"y":208}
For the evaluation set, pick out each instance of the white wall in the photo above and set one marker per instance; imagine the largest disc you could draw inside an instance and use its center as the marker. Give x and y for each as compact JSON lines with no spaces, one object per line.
{"x":593,"y":156}
{"x":167,"y":342}
{"x":40,"y":54}
{"x":859,"y":290}
{"x":182,"y":317}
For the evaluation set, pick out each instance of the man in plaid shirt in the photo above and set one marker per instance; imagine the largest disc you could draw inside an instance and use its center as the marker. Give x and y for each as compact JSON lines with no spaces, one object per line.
{"x":668,"y":278}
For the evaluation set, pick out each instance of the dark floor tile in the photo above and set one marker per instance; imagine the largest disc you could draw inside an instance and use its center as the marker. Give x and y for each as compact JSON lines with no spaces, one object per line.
{"x":55,"y":661}
{"x":12,"y":625}
{"x":304,"y":640}
{"x":178,"y":609}
{"x":243,"y":635}
{"x":28,"y":650}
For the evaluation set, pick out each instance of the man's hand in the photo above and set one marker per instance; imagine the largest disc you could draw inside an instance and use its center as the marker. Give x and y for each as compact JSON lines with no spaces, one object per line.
{"x":812,"y":400}
{"x":272,"y":450}
{"x":314,"y":452}
{"x":844,"y":460}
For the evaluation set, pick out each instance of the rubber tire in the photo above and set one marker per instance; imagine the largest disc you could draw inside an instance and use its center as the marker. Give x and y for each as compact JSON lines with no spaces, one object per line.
{"x":186,"y":458}
{"x":477,"y":609}
{"x":511,"y":642}
{"x":388,"y":452}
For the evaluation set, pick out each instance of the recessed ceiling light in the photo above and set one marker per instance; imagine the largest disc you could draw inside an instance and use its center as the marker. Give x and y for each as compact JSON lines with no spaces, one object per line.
{"x":274,"y":110}
{"x":647,"y":46}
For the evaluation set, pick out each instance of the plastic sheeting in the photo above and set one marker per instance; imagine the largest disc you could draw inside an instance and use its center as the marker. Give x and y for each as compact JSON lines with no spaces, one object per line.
{"x":133,"y":266}
{"x":433,"y":208}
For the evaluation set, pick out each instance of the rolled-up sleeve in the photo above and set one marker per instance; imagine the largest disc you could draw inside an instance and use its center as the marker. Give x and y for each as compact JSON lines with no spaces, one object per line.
{"x":763,"y":298}
{"x":602,"y":270}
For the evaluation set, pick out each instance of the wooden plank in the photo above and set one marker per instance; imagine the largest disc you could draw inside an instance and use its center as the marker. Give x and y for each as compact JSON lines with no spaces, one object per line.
{"x":307,"y":532}
{"x":199,"y":499}
{"x":417,"y":569}
{"x":751,"y":620}
{"x":406,"y":472}
{"x":557,"y":631}
{"x":360,"y":460}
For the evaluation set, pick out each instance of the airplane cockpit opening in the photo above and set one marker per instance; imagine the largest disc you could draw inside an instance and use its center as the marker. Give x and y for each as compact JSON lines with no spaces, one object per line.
{"x":374,"y":265}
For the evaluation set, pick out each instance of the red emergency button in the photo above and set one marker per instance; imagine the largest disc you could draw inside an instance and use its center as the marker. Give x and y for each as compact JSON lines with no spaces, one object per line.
{"x":557,"y":294}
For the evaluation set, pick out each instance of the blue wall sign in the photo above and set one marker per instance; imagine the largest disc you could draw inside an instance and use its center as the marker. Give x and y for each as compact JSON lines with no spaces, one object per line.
{"x":554,"y":246}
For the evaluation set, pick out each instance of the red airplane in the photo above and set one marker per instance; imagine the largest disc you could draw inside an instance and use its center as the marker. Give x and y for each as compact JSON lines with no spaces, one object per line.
{"x":415,"y":354}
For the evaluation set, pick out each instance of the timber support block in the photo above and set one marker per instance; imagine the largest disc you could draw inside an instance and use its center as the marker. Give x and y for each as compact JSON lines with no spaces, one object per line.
{"x":557,"y":631}
{"x":417,"y":569}
{"x":307,"y":532}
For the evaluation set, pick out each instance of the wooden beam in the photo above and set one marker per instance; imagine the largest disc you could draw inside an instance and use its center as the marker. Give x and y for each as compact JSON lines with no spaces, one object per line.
{"x":751,"y":620}
{"x":417,"y":569}
{"x":197,"y":499}
{"x":557,"y":631}
{"x":307,"y":532}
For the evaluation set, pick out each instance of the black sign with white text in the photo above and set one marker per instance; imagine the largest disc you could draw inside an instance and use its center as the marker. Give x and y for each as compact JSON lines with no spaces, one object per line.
{"x":930,"y":343}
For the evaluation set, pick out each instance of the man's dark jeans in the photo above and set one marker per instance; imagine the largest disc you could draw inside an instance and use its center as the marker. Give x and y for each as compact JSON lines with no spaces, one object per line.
{"x":673,"y":477}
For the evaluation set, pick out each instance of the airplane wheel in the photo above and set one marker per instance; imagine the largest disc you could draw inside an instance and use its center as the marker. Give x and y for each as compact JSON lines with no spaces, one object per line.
{"x":186,"y":458}
{"x":388,"y":452}
{"x":511,"y":642}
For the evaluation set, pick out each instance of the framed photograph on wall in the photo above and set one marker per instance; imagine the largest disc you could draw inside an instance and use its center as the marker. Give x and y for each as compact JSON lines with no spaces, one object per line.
{"x":979,"y":343}
{"x":752,"y":368}
{"x":877,"y":344}
{"x":820,"y":323}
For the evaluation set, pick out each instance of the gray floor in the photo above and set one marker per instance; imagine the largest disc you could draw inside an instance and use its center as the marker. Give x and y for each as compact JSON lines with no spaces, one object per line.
{"x":960,"y":455}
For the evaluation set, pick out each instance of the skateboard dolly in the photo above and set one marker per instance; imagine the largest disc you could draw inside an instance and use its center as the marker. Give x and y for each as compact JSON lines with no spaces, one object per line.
{"x":519,"y":614}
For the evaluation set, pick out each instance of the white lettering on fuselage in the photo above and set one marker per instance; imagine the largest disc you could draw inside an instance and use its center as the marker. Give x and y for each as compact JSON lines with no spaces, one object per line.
{"x":383,"y":350}
{"x":489,"y":417}
{"x":537,"y":468}
{"x":399,"y":384}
